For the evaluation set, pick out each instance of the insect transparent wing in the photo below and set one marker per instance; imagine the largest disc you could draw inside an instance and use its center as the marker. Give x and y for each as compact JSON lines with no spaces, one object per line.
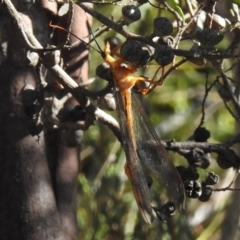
{"x":134,"y":168}
{"x":155,"y":158}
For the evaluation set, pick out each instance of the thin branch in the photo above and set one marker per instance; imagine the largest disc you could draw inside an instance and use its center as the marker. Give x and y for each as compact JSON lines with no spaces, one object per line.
{"x":29,"y":39}
{"x":63,"y":77}
{"x":174,"y":13}
{"x":227,"y":87}
{"x":190,"y":9}
{"x":101,"y":18}
{"x":207,"y":90}
{"x":172,"y":68}
{"x":205,"y":146}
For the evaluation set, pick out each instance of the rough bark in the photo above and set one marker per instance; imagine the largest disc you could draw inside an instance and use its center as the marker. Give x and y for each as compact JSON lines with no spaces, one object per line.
{"x":38,"y":174}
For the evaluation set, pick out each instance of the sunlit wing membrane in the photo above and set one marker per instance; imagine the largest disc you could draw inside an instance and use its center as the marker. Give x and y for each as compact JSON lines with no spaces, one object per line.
{"x":155,"y":158}
{"x":134,"y":169}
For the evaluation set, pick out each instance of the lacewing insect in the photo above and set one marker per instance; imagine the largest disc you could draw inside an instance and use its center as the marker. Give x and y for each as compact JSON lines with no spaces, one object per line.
{"x":145,"y":155}
{"x":142,"y":146}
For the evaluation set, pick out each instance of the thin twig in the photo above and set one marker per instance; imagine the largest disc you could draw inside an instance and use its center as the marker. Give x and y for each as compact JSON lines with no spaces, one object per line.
{"x":101,"y":18}
{"x":174,"y":67}
{"x":227,"y":87}
{"x":207,"y":90}
{"x":62,"y":76}
{"x":205,"y":146}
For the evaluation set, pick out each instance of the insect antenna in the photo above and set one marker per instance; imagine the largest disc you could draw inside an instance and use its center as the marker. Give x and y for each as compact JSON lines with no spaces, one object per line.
{"x":91,"y":32}
{"x":99,"y":50}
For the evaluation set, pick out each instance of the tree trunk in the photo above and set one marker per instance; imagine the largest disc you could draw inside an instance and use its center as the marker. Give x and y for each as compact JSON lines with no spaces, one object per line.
{"x":38,"y":170}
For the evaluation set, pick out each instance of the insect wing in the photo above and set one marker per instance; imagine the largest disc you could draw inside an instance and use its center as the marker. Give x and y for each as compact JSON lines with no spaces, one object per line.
{"x":155,"y":158}
{"x":134,"y":169}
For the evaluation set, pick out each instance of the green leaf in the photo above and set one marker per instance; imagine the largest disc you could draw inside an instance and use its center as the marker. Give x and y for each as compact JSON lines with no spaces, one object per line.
{"x":180,"y":12}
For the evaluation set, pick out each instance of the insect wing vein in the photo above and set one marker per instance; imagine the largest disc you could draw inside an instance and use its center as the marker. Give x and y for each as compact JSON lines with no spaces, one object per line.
{"x":154,"y":156}
{"x":134,"y":169}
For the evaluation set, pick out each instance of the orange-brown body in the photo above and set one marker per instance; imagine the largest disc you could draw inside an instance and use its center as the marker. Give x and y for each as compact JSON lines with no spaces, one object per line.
{"x":157,"y":161}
